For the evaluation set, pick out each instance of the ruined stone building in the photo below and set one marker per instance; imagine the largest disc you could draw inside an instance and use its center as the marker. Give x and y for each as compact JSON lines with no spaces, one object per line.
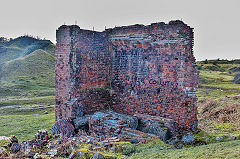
{"x":131,"y":69}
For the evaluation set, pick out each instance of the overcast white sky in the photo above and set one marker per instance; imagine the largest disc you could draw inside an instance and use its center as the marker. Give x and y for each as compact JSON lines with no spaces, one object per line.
{"x":216,"y":23}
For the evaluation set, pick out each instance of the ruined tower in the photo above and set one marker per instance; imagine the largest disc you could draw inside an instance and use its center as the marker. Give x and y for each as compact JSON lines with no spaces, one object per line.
{"x":131,"y":69}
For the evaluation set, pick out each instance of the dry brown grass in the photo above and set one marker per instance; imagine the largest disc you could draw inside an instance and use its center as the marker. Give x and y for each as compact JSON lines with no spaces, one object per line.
{"x":226,"y":113}
{"x":207,"y":105}
{"x":220,"y":116}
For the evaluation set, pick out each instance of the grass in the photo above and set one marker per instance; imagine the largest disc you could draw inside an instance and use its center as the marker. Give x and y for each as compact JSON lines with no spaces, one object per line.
{"x":216,"y":75}
{"x":27,"y":67}
{"x":216,"y":150}
{"x":31,"y":75}
{"x":26,"y":87}
{"x":25,"y":126}
{"x":216,"y":79}
{"x":215,"y":93}
{"x":38,"y":65}
{"x":220,"y":117}
{"x":24,"y":116}
{"x":45,"y":100}
{"x":217,"y":84}
{"x":222,"y":85}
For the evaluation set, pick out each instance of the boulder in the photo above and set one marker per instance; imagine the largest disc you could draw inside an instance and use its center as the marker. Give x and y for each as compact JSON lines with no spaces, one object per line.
{"x":98,"y":155}
{"x":233,"y":138}
{"x":81,"y":122}
{"x":15,"y":147}
{"x":178,"y":146}
{"x":166,"y":127}
{"x":131,"y":121}
{"x":219,"y":138}
{"x":111,"y":123}
{"x":134,"y":141}
{"x":46,"y":112}
{"x":154,"y":127}
{"x":237,"y":78}
{"x":104,"y":124}
{"x":173,"y":140}
{"x":188,"y":138}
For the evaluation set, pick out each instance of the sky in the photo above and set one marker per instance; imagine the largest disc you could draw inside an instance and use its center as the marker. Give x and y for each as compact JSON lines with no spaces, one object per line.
{"x":216,"y":23}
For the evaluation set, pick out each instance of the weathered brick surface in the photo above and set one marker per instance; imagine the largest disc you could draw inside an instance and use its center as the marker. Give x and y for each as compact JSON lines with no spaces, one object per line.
{"x":82,"y":72}
{"x":104,"y":124}
{"x":62,"y":70}
{"x":63,"y":127}
{"x":133,"y":69}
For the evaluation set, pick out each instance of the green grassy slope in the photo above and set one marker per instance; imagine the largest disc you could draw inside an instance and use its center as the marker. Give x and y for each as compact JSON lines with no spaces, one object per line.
{"x":26,"y":86}
{"x":27,"y":67}
{"x":216,"y":81}
{"x":21,"y":46}
{"x":214,"y":151}
{"x":219,"y":98}
{"x":25,"y":125}
{"x":37,"y":63}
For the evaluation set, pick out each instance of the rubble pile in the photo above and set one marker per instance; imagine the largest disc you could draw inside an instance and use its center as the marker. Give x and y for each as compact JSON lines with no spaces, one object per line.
{"x":163,"y":127}
{"x":99,"y":134}
{"x":63,"y":127}
{"x":111,"y":123}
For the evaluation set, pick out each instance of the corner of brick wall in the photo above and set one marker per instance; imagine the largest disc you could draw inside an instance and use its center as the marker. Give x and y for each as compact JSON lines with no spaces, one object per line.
{"x":134,"y":69}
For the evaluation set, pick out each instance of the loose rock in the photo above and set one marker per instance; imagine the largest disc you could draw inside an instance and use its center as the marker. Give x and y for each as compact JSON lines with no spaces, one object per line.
{"x":46,"y":112}
{"x":64,"y":127}
{"x":219,"y":138}
{"x":82,"y":122}
{"x":154,"y":127}
{"x":188,"y":139}
{"x":233,"y":138}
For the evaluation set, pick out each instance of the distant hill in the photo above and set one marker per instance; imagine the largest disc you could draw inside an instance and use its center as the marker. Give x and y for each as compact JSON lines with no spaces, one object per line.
{"x":26,"y":66}
{"x":21,"y":46}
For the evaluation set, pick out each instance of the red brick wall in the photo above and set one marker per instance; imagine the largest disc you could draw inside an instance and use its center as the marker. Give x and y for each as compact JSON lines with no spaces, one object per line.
{"x":62,"y":70}
{"x":92,"y":70}
{"x":154,"y":71}
{"x":82,"y":68}
{"x":150,"y":70}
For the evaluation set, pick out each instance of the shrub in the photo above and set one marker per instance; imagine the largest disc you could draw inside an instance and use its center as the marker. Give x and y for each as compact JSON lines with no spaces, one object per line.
{"x":211,"y":67}
{"x":234,"y":69}
{"x":237,"y":78}
{"x":125,"y":148}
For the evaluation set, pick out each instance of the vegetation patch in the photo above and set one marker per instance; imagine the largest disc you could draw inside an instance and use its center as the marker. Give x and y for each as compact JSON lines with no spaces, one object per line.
{"x":216,"y":150}
{"x":25,"y":126}
{"x":45,"y":100}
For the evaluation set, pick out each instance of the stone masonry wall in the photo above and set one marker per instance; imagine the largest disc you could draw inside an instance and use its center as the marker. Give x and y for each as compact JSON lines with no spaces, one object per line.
{"x":133,"y":69}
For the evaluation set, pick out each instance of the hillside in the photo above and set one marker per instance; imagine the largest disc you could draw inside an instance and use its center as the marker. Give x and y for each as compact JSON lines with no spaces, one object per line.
{"x":26,"y":67}
{"x":219,"y":97}
{"x":21,"y":46}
